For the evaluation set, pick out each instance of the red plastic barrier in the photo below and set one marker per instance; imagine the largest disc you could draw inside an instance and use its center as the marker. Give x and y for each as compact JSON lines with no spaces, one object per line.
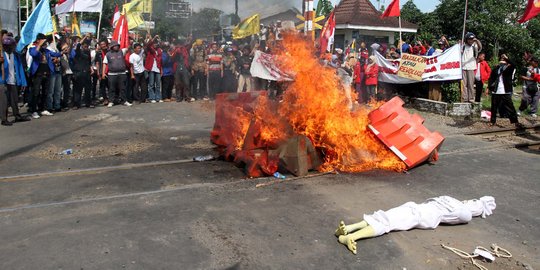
{"x":404,"y":133}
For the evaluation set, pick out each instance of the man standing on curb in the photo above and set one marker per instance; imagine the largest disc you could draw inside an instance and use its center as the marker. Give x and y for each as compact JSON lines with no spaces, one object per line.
{"x":469,"y":53}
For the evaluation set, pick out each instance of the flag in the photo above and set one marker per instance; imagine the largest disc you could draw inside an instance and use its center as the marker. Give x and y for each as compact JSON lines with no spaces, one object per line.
{"x":68,"y":6}
{"x":38,"y":22}
{"x":134,"y":6}
{"x":75,"y":29}
{"x":148,"y":6}
{"x":55,"y":26}
{"x":327,"y":34}
{"x":133,"y":11}
{"x":533,"y":8}
{"x":121,"y":33}
{"x":116,"y":16}
{"x":392,"y":10}
{"x":247,"y":27}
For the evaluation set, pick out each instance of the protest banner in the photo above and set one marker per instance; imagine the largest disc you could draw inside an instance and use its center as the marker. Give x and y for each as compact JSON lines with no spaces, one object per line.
{"x":264,"y":66}
{"x":412,"y":66}
{"x":442,"y":67}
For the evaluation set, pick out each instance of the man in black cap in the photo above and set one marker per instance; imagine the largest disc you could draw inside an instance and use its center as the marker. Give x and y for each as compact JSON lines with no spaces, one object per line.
{"x":42,"y":66}
{"x":501,"y":89}
{"x":471,"y":48}
{"x":82,"y":70}
{"x":14,"y":78}
{"x":115,"y":63}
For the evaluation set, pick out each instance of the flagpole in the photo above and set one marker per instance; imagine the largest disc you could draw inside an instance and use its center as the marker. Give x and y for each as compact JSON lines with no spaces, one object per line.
{"x":464,"y":21}
{"x":400,"y":39}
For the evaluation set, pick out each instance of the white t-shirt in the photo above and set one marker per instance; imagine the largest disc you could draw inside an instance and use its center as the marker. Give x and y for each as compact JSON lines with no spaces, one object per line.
{"x":477,"y":75}
{"x":11,"y":67}
{"x":468,"y":59}
{"x":155,"y":67}
{"x":137,"y":62}
{"x":500,"y":87}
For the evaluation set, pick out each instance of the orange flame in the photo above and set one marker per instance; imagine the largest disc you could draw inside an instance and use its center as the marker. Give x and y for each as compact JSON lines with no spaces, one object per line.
{"x":315,"y":106}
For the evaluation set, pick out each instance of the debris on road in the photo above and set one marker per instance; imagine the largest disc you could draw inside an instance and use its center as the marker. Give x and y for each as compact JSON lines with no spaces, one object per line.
{"x":67,"y":152}
{"x":204,"y":158}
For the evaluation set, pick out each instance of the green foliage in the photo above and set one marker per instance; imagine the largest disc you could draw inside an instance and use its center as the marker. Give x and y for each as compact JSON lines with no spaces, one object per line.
{"x":324,"y":7}
{"x":451,"y":92}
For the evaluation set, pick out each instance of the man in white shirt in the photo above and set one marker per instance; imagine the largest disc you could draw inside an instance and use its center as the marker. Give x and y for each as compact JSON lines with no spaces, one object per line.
{"x":136,"y":59}
{"x":470,"y":50}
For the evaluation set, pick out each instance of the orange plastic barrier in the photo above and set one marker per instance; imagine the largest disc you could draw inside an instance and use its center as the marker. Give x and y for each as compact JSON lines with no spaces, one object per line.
{"x":404,"y":133}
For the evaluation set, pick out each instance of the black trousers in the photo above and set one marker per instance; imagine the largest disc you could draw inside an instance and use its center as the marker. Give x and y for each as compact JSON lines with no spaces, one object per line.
{"x":104,"y":87}
{"x":3,"y":103}
{"x":168,"y":84}
{"x":140,"y":88}
{"x":95,"y":80}
{"x":214,"y":83}
{"x":83,"y":82}
{"x":12,"y":94}
{"x":503,"y":102}
{"x":40,"y":87}
{"x":117,"y":88}
{"x":479,"y":85}
{"x":66,"y":87}
{"x":199,"y":85}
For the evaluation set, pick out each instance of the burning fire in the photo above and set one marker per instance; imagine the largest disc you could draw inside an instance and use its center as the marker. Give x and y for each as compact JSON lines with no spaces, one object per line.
{"x":315,"y":105}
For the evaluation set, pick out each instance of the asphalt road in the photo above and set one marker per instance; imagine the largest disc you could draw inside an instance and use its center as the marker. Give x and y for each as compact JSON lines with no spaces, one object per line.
{"x":209,"y":216}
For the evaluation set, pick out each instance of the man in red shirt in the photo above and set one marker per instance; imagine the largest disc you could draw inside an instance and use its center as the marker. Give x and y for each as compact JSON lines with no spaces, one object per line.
{"x":481,"y":75}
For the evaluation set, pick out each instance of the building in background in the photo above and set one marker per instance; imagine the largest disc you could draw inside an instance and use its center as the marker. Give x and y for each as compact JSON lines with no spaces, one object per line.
{"x":9,"y":14}
{"x":360,"y":20}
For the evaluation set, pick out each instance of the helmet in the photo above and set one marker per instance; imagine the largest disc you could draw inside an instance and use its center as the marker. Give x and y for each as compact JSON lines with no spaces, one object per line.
{"x":469,"y":35}
{"x":8,"y":41}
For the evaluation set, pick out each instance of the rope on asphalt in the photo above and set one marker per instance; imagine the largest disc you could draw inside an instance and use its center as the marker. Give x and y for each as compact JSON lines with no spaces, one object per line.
{"x":496,"y":250}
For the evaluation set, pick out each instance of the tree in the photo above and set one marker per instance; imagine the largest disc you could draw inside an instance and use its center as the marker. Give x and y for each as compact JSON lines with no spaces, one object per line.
{"x":324,"y":7}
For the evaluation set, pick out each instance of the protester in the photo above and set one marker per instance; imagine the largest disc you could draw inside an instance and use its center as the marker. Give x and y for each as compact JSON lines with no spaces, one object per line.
{"x":244,"y":67}
{"x":55,"y":79}
{"x":153,"y":66}
{"x":345,"y":73}
{"x":138,"y":74}
{"x":471,"y":48}
{"x":530,"y":94}
{"x":372,"y":76}
{"x":168,"y":73}
{"x":228,"y":76}
{"x":14,"y":78}
{"x":82,"y":70}
{"x":67,"y":76}
{"x":181,"y":73}
{"x":501,"y":89}
{"x":358,"y":79}
{"x":41,"y":68}
{"x":114,"y":61}
{"x":481,"y":75}
{"x":215,"y":70}
{"x":199,"y":70}
{"x":103,"y":70}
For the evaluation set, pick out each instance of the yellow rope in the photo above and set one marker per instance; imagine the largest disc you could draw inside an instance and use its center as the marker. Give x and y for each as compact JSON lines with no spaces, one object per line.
{"x":496,"y":250}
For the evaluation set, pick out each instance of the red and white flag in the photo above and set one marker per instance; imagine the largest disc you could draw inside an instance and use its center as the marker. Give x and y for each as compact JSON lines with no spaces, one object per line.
{"x":115,"y":17}
{"x":392,"y":10}
{"x":533,"y":8}
{"x":121,"y":32}
{"x":327,"y":34}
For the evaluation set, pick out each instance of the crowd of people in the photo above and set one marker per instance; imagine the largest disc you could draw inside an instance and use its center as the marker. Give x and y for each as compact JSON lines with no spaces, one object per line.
{"x":59,"y":73}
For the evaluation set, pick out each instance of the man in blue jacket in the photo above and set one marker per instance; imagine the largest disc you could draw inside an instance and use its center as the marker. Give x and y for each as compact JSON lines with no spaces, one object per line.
{"x":40,"y":70}
{"x":13,"y":78}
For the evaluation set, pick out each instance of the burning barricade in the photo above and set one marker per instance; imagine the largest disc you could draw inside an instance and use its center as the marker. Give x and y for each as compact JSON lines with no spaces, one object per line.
{"x":312,"y":128}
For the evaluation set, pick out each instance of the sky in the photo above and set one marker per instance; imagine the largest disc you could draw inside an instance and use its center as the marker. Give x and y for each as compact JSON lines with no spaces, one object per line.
{"x":271,"y":7}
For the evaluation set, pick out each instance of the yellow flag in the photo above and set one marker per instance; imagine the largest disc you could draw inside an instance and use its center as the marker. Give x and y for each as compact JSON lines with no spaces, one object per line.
{"x":248,"y":27}
{"x":75,"y":30}
{"x":148,"y":6}
{"x":134,"y":6}
{"x":54,"y":25}
{"x":133,"y":11}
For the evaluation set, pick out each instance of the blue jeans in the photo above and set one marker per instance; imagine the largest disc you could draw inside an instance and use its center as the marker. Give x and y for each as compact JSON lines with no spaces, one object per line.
{"x":154,"y":86}
{"x":55,"y":92}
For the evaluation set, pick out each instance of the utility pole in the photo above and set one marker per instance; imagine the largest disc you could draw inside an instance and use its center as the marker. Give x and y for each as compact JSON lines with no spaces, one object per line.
{"x":236,"y":8}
